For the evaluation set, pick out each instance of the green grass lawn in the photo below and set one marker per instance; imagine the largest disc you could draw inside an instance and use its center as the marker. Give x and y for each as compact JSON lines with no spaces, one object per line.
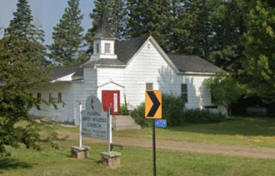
{"x":255,"y":132}
{"x":135,"y":161}
{"x":138,"y":161}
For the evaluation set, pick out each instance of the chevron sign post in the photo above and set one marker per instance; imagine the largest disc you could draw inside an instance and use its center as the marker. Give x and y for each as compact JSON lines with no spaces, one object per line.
{"x":153,"y":110}
{"x":153,"y":104}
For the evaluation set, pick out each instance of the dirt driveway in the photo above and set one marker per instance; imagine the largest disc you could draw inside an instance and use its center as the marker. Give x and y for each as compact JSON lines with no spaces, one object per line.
{"x":259,"y":152}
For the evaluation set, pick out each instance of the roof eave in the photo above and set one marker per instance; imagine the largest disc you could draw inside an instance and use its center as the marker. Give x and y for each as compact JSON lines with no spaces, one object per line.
{"x":109,"y":66}
{"x":104,"y":38}
{"x":197,"y":73}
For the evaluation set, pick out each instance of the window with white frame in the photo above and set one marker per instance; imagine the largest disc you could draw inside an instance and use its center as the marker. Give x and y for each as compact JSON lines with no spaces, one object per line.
{"x":97,"y":48}
{"x":184,"y":92}
{"x":107,"y":47}
{"x":149,"y":86}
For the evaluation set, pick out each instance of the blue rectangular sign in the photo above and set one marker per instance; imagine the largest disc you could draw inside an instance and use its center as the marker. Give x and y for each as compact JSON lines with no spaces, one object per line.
{"x":160,"y":123}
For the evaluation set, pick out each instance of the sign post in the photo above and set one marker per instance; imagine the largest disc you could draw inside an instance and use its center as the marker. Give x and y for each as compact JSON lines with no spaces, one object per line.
{"x":80,"y":125}
{"x":153,"y":110}
{"x":110,"y":131}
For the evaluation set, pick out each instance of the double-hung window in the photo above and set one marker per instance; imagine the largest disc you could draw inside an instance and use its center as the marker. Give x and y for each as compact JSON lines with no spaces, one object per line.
{"x":184,"y":92}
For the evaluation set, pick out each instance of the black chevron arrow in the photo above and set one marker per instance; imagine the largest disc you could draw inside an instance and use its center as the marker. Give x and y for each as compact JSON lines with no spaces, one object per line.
{"x":156,"y":104}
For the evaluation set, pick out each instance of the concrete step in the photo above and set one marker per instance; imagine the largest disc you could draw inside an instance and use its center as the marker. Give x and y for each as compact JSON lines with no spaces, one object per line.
{"x":124,"y":123}
{"x":121,"y":128}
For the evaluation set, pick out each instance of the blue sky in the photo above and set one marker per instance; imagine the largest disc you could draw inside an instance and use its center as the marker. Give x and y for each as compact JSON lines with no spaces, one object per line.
{"x":46,"y":13}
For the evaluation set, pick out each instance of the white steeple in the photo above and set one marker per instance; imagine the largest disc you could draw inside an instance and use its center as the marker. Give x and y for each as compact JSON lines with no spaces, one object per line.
{"x":103,"y":41}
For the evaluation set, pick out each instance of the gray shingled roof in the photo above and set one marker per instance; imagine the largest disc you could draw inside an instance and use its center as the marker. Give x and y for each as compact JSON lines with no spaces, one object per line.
{"x":58,"y":72}
{"x":125,"y":50}
{"x":191,"y":63}
{"x":103,"y":31}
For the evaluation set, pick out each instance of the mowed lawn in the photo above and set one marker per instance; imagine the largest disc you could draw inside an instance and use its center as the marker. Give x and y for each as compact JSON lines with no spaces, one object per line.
{"x":254,"y":132}
{"x":138,"y":161}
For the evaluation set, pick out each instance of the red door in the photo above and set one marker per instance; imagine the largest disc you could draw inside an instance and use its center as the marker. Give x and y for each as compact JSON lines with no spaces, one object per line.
{"x":111,"y":99}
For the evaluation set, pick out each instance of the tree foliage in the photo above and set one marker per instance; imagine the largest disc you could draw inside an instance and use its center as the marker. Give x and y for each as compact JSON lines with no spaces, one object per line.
{"x":116,"y":10}
{"x":21,"y":70}
{"x":224,"y":89}
{"x":21,"y":28}
{"x":68,"y":36}
{"x":259,"y":42}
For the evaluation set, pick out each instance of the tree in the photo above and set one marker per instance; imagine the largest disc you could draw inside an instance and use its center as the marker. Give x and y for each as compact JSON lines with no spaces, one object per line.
{"x":68,"y":36}
{"x":259,"y":47}
{"x":18,"y":76}
{"x":22,"y":29}
{"x":228,"y":23}
{"x":116,"y":10}
{"x":178,"y":29}
{"x":148,"y":17}
{"x":21,"y":70}
{"x":225,"y":90}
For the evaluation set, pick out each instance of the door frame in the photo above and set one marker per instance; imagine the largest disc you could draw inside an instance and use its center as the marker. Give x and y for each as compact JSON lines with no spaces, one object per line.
{"x":118,"y":99}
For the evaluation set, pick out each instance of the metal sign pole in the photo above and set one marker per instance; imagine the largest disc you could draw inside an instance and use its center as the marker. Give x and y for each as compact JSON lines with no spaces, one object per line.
{"x":80,"y":125}
{"x":109,"y":130}
{"x":154,"y":149}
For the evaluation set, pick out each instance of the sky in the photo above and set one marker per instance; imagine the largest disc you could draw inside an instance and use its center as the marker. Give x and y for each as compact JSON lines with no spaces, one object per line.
{"x":46,"y":14}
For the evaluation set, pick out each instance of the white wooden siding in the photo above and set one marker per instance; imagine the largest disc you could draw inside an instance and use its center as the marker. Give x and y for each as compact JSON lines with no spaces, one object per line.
{"x":63,"y":111}
{"x":198,"y":95}
{"x":82,"y":90}
{"x":105,"y":78}
{"x":149,"y":66}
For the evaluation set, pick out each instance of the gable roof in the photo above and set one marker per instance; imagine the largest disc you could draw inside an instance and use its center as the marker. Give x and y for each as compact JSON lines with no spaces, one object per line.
{"x":191,"y":63}
{"x":125,"y":50}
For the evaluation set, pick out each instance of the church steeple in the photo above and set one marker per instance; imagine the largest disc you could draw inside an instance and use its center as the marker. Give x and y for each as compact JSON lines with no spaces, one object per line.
{"x":104,"y":30}
{"x":104,"y":42}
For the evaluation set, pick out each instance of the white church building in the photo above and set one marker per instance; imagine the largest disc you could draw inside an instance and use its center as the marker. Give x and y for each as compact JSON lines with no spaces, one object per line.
{"x":121,"y":71}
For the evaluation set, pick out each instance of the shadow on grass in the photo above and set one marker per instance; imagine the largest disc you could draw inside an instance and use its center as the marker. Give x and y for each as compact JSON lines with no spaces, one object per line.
{"x":234,"y":126}
{"x":10,"y":163}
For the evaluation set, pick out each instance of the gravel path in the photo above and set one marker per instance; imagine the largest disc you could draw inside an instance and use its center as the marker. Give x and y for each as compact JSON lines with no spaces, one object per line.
{"x":207,"y":148}
{"x":253,"y":152}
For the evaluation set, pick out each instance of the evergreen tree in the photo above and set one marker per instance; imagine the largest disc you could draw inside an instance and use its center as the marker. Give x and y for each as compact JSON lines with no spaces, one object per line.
{"x":116,"y":10}
{"x":18,"y":76}
{"x":67,"y":35}
{"x":21,"y":29}
{"x":259,"y":48}
{"x":148,"y":17}
{"x":181,"y":28}
{"x":228,"y":24}
{"x":21,"y":71}
{"x":117,"y":16}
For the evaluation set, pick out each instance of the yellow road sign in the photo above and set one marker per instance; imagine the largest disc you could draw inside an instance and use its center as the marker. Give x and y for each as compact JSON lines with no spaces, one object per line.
{"x":153,"y":104}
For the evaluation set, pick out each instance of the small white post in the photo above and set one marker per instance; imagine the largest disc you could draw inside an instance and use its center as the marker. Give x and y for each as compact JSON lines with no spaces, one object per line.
{"x":80,"y":125}
{"x":110,"y":130}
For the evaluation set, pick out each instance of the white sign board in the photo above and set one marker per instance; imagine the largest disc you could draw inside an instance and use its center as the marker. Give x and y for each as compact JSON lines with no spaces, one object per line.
{"x":94,"y":120}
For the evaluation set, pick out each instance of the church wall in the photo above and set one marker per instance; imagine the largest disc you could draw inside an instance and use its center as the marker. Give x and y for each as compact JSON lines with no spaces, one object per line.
{"x":63,"y":111}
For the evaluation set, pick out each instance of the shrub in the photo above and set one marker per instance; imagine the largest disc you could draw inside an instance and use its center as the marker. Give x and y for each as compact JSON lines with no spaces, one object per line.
{"x":202,"y":116}
{"x":173,"y":110}
{"x":138,"y":115}
{"x":176,"y":115}
{"x":124,"y":110}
